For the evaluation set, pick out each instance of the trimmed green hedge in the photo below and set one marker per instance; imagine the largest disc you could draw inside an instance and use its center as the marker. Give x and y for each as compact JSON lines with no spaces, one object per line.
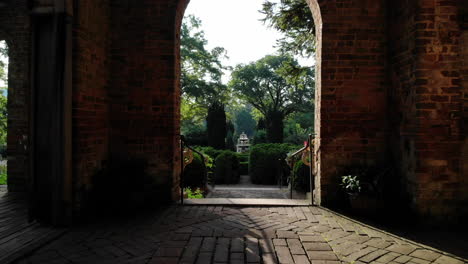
{"x":210,"y":151}
{"x":267,"y":162}
{"x":226,"y":168}
{"x":300,"y":177}
{"x":194,"y":173}
{"x":244,"y":168}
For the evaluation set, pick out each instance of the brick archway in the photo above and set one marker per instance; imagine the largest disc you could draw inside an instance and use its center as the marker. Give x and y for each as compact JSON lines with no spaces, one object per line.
{"x":347,"y":131}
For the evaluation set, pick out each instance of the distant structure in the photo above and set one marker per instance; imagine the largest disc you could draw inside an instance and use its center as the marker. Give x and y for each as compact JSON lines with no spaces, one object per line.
{"x":243,"y":144}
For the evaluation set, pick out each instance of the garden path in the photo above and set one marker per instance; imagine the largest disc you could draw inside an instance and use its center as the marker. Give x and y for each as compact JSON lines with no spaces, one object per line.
{"x":246,"y":189}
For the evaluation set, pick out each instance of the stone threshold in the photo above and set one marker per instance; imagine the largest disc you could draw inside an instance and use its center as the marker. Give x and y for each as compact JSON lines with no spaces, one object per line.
{"x":246,"y":201}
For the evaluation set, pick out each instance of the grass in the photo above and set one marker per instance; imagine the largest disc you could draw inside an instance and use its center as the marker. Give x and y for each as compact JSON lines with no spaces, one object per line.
{"x":3,"y":175}
{"x":196,"y":194}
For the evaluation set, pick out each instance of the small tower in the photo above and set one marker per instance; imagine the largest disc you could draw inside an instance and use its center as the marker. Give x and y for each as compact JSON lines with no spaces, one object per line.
{"x":243,"y":144}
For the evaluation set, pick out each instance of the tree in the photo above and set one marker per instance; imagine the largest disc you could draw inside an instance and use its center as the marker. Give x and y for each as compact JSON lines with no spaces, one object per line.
{"x":3,"y":61}
{"x":244,"y":121}
{"x":294,"y":19}
{"x":203,"y":92}
{"x":201,"y":69}
{"x":3,"y":97}
{"x":216,"y":126}
{"x":277,"y":86}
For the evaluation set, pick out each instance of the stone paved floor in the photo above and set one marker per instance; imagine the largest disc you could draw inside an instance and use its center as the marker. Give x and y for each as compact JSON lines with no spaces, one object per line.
{"x":246,"y":189}
{"x":17,"y":234}
{"x":217,"y":234}
{"x":220,"y":192}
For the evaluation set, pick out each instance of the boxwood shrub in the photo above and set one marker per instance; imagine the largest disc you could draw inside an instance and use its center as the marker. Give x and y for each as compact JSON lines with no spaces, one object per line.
{"x":300,"y":177}
{"x":244,"y":168}
{"x":226,"y":169}
{"x":195,"y":173}
{"x":266,"y":162}
{"x":210,"y":151}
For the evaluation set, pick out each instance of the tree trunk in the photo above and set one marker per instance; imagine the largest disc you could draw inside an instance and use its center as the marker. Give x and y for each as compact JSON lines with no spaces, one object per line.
{"x":216,"y":126}
{"x":274,"y":127}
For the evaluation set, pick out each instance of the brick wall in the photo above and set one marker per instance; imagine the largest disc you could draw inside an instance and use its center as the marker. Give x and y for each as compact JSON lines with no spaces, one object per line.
{"x":427,"y":94}
{"x":91,"y":84}
{"x":145,"y":86}
{"x":15,"y":30}
{"x":351,"y":96}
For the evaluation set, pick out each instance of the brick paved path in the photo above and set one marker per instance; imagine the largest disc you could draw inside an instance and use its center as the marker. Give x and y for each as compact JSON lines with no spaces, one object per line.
{"x":211,"y":234}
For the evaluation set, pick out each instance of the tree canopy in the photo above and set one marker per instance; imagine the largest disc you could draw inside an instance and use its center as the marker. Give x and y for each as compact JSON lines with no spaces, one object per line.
{"x":294,"y":19}
{"x":277,"y":86}
{"x":202,"y":69}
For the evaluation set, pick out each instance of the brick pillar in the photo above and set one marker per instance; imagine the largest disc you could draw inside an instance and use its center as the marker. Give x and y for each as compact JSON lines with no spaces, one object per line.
{"x":427,"y":84}
{"x":351,"y":89}
{"x":145,"y":87}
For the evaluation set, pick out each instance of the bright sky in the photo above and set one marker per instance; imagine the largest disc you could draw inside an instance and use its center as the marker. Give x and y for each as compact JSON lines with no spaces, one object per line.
{"x":235,"y":25}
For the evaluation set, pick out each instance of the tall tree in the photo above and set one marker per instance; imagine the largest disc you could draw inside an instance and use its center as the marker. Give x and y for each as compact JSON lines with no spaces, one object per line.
{"x":276,"y":86}
{"x":203,"y":92}
{"x":202,"y":69}
{"x":294,"y":19}
{"x":216,"y":126}
{"x":244,"y":121}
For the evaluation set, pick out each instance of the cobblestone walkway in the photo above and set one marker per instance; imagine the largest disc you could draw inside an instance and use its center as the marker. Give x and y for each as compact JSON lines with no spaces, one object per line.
{"x":216,"y":234}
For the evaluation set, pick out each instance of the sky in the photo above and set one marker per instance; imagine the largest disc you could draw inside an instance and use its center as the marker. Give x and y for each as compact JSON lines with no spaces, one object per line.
{"x":235,"y":25}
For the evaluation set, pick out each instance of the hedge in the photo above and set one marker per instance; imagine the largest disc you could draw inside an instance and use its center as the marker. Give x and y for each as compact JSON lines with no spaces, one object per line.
{"x":226,"y":169}
{"x":300,"y":177}
{"x":244,"y":168}
{"x":267,"y":162}
{"x":210,"y":151}
{"x":194,"y":173}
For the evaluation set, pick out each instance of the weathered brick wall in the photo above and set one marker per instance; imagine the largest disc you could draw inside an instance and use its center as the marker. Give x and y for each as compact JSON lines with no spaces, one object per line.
{"x":463,"y":20}
{"x":15,"y":29}
{"x":402,"y":113}
{"x":352,"y":97}
{"x":427,"y":93}
{"x":91,"y":84}
{"x":145,"y":87}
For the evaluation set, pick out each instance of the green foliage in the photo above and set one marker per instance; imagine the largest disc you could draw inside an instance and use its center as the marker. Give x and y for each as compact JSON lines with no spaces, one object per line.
{"x":3,"y":119}
{"x":301,"y":177}
{"x":267,"y":161}
{"x":201,"y":69}
{"x":3,"y":61}
{"x":230,"y":145}
{"x":295,"y":134}
{"x":226,"y":168}
{"x":294,"y":20}
{"x":243,"y":157}
{"x":195,"y":135}
{"x":196,"y":194}
{"x":244,"y":121}
{"x":210,"y":151}
{"x":276,"y":86}
{"x":244,"y":168}
{"x":195,"y":172}
{"x":351,"y":183}
{"x":216,"y":126}
{"x":3,"y":174}
{"x":3,"y":95}
{"x":260,"y":137}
